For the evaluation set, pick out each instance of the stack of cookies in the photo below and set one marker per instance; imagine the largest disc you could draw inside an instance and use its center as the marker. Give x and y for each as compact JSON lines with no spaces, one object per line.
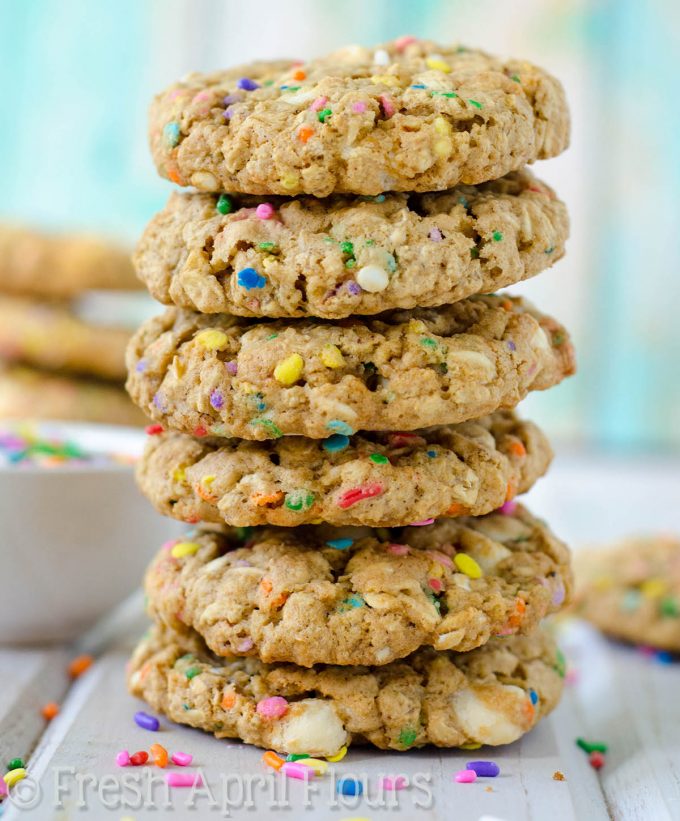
{"x":61,"y":356}
{"x":333,"y":387}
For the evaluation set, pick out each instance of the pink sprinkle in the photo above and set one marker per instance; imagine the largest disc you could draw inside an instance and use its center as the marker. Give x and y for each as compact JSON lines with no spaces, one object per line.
{"x":319,"y":103}
{"x":508,"y":508}
{"x":181,"y":759}
{"x":436,"y":235}
{"x":393,"y":782}
{"x":294,"y":769}
{"x":177,"y":92}
{"x":184,"y":779}
{"x":170,"y":544}
{"x":202,"y":95}
{"x":3,"y":787}
{"x":123,"y":758}
{"x":465,"y":776}
{"x":387,"y":106}
{"x":264,"y":211}
{"x":435,"y":584}
{"x":232,"y":367}
{"x":358,"y":108}
{"x":245,"y":645}
{"x":422,"y":523}
{"x":401,"y":439}
{"x":440,"y":558}
{"x":399,"y":549}
{"x":357,"y":494}
{"x":401,"y":42}
{"x":571,"y":676}
{"x":273,"y":707}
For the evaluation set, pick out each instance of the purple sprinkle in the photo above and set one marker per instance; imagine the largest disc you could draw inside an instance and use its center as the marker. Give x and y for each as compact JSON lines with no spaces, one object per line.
{"x":228,"y":114}
{"x":231,"y":98}
{"x":245,"y":645}
{"x":511,"y":345}
{"x":242,"y":563}
{"x":159,"y":402}
{"x":558,"y":595}
{"x":488,"y":769}
{"x":232,"y":367}
{"x":141,"y":366}
{"x":147,"y":722}
{"x":216,"y":400}
{"x":247,"y":84}
{"x":436,"y":235}
{"x":354,"y":288}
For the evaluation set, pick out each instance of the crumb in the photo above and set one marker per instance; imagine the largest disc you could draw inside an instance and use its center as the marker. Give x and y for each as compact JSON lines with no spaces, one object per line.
{"x":488,"y":789}
{"x":558,"y":776}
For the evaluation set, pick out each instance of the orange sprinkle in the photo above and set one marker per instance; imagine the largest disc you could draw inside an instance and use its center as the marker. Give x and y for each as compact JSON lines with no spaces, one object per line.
{"x":50,"y":710}
{"x":204,"y":493}
{"x":272,"y":760}
{"x":518,"y":449}
{"x":173,"y":176}
{"x":506,"y":304}
{"x":266,"y":586}
{"x":228,"y":700}
{"x":299,"y":75}
{"x":79,"y":665}
{"x":511,"y":492}
{"x":305,"y":132}
{"x":456,"y":509}
{"x":268,"y":499}
{"x":279,"y":601}
{"x":159,"y":755}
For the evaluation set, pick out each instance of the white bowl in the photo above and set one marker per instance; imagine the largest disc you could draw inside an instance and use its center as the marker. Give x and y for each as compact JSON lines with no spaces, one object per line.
{"x":74,"y":539}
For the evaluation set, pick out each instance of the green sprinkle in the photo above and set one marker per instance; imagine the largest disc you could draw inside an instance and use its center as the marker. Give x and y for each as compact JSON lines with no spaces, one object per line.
{"x":225,"y":204}
{"x":186,"y":706}
{"x":474,"y":253}
{"x":549,"y":250}
{"x":16,"y":764}
{"x":243,"y":533}
{"x":560,"y":662}
{"x":347,"y":248}
{"x":291,"y":88}
{"x":369,"y":243}
{"x":324,"y":114}
{"x":475,"y":103}
{"x":353,"y":602}
{"x":192,"y":672}
{"x":428,"y":342}
{"x":298,"y":500}
{"x":407,"y":736}
{"x":271,"y":336}
{"x":558,"y":338}
{"x":268,"y":83}
{"x":328,"y":239}
{"x":297,"y":756}
{"x":379,"y":459}
{"x":268,"y":425}
{"x":669,"y":607}
{"x":266,"y":246}
{"x":391,"y":263}
{"x":463,"y":201}
{"x":497,"y":236}
{"x":515,"y":77}
{"x":449,"y":94}
{"x":592,"y":746}
{"x":350,"y":263}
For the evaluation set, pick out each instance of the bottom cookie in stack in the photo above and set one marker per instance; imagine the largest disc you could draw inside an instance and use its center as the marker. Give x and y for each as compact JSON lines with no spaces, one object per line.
{"x":305,"y":640}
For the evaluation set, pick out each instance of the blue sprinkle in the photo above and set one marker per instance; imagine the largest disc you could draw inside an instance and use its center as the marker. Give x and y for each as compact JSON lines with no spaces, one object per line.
{"x":340,"y":427}
{"x":171,"y":133}
{"x":432,"y":453}
{"x":336,"y":442}
{"x":533,"y":695}
{"x":511,"y":345}
{"x":340,"y":544}
{"x":248,"y":278}
{"x":391,"y":263}
{"x":418,"y":85}
{"x":664,"y":657}
{"x":379,"y":198}
{"x":141,"y":366}
{"x":247,"y":84}
{"x":549,"y":250}
{"x":354,"y":601}
{"x":349,"y":786}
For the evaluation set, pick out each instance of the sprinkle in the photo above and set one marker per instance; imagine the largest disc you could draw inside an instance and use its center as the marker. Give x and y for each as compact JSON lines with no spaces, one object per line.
{"x":320,"y":767}
{"x":184,"y":779}
{"x":341,"y":753}
{"x":354,"y":601}
{"x":79,"y":665}
{"x":232,"y":367}
{"x":381,"y":57}
{"x":305,"y":133}
{"x":393,"y":782}
{"x":159,"y":755}
{"x":273,"y":707}
{"x":146,"y":721}
{"x":292,"y":769}
{"x":419,"y":85}
{"x":387,"y":106}
{"x":323,"y":115}
{"x":435,"y":585}
{"x":331,"y":356}
{"x":191,"y":673}
{"x":354,"y":288}
{"x":358,"y":108}
{"x":224,"y":204}
{"x":289,"y":181}
{"x":123,"y":758}
{"x":296,"y":756}
{"x":139,"y":758}
{"x":373,"y":279}
{"x":437,"y":64}
{"x":379,"y":459}
{"x":407,"y":736}
{"x":272,"y":760}
{"x":264,"y":211}
{"x":591,"y":746}
{"x":181,"y":759}
{"x":299,"y":500}
{"x":171,"y":134}
{"x":319,"y":103}
{"x":200,"y":431}
{"x":14,"y":776}
{"x":349,"y":786}
{"x":153,"y":430}
{"x":669,"y":607}
{"x":247,"y":84}
{"x":422,"y":523}
{"x":50,"y":710}
{"x":475,"y":103}
{"x":466,"y":564}
{"x":515,"y":77}
{"x":212,"y":339}
{"x":340,"y":544}
{"x":269,"y":426}
{"x":217,"y":400}
{"x":3,"y":789}
{"x":484,"y":769}
{"x":497,"y":236}
{"x":289,"y":370}
{"x":182,"y":549}
{"x":248,"y":278}
{"x":335,"y":443}
{"x":401,"y":42}
{"x":596,"y":760}
{"x":358,"y":494}
{"x":339,"y":426}
{"x":15,"y":764}
{"x":436,"y":235}
{"x":465,"y":776}
{"x":399,"y":549}
{"x":508,"y":508}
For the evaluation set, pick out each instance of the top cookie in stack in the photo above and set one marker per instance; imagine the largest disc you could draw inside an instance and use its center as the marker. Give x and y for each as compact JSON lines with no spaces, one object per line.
{"x":346,"y":361}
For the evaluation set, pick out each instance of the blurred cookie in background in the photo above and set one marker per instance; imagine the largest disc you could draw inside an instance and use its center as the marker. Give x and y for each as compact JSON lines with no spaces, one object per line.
{"x":631,"y":591}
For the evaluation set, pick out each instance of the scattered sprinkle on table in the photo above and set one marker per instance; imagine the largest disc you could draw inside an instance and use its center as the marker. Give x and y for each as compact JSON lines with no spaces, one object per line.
{"x":486,"y":769}
{"x":184,"y":780}
{"x":80,"y":665}
{"x":139,"y":758}
{"x":596,"y":760}
{"x":50,"y":710}
{"x":21,"y":446}
{"x":296,"y":769}
{"x":181,"y":759}
{"x":393,"y":782}
{"x":146,"y":721}
{"x":465,"y":776}
{"x":592,"y":746}
{"x":349,"y":786}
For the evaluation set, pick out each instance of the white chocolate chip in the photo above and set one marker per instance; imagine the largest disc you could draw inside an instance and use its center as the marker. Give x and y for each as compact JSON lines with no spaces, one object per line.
{"x":483,"y":724}
{"x":539,"y":341}
{"x":381,"y":57}
{"x":383,"y":654}
{"x":373,"y":279}
{"x":310,"y":726}
{"x":473,"y":360}
{"x":205,"y":181}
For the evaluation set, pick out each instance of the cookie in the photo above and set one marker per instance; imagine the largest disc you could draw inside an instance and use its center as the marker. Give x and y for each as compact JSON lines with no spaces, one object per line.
{"x":228,"y":376}
{"x":53,"y":266}
{"x":48,"y":335}
{"x":493,"y":695}
{"x":320,"y":594}
{"x":30,"y":394}
{"x":632,"y":591}
{"x":333,"y":258}
{"x":382,"y":479}
{"x":406,"y":116}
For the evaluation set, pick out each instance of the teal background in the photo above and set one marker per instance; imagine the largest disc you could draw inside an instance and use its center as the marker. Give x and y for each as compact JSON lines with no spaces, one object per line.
{"x":77,"y":76}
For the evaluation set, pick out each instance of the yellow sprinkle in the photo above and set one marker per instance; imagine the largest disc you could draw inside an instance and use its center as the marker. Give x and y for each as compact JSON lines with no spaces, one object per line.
{"x":443,"y":147}
{"x":182,"y":549}
{"x":653,"y":588}
{"x":316,"y":764}
{"x":442,"y":126}
{"x":289,"y":181}
{"x":212,"y":339}
{"x":466,"y":564}
{"x":14,"y":776}
{"x":417,"y":326}
{"x":385,"y":79}
{"x":247,"y":387}
{"x":289,"y":370}
{"x":178,"y":367}
{"x":268,"y":262}
{"x":473,"y":745}
{"x":603,"y":583}
{"x":342,"y":752}
{"x":436,"y":571}
{"x":332,"y":357}
{"x":437,"y":65}
{"x":179,"y":475}
{"x":207,"y":480}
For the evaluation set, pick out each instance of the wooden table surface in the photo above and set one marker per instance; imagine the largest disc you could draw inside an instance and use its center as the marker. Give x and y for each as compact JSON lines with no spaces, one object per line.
{"x":615,"y":694}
